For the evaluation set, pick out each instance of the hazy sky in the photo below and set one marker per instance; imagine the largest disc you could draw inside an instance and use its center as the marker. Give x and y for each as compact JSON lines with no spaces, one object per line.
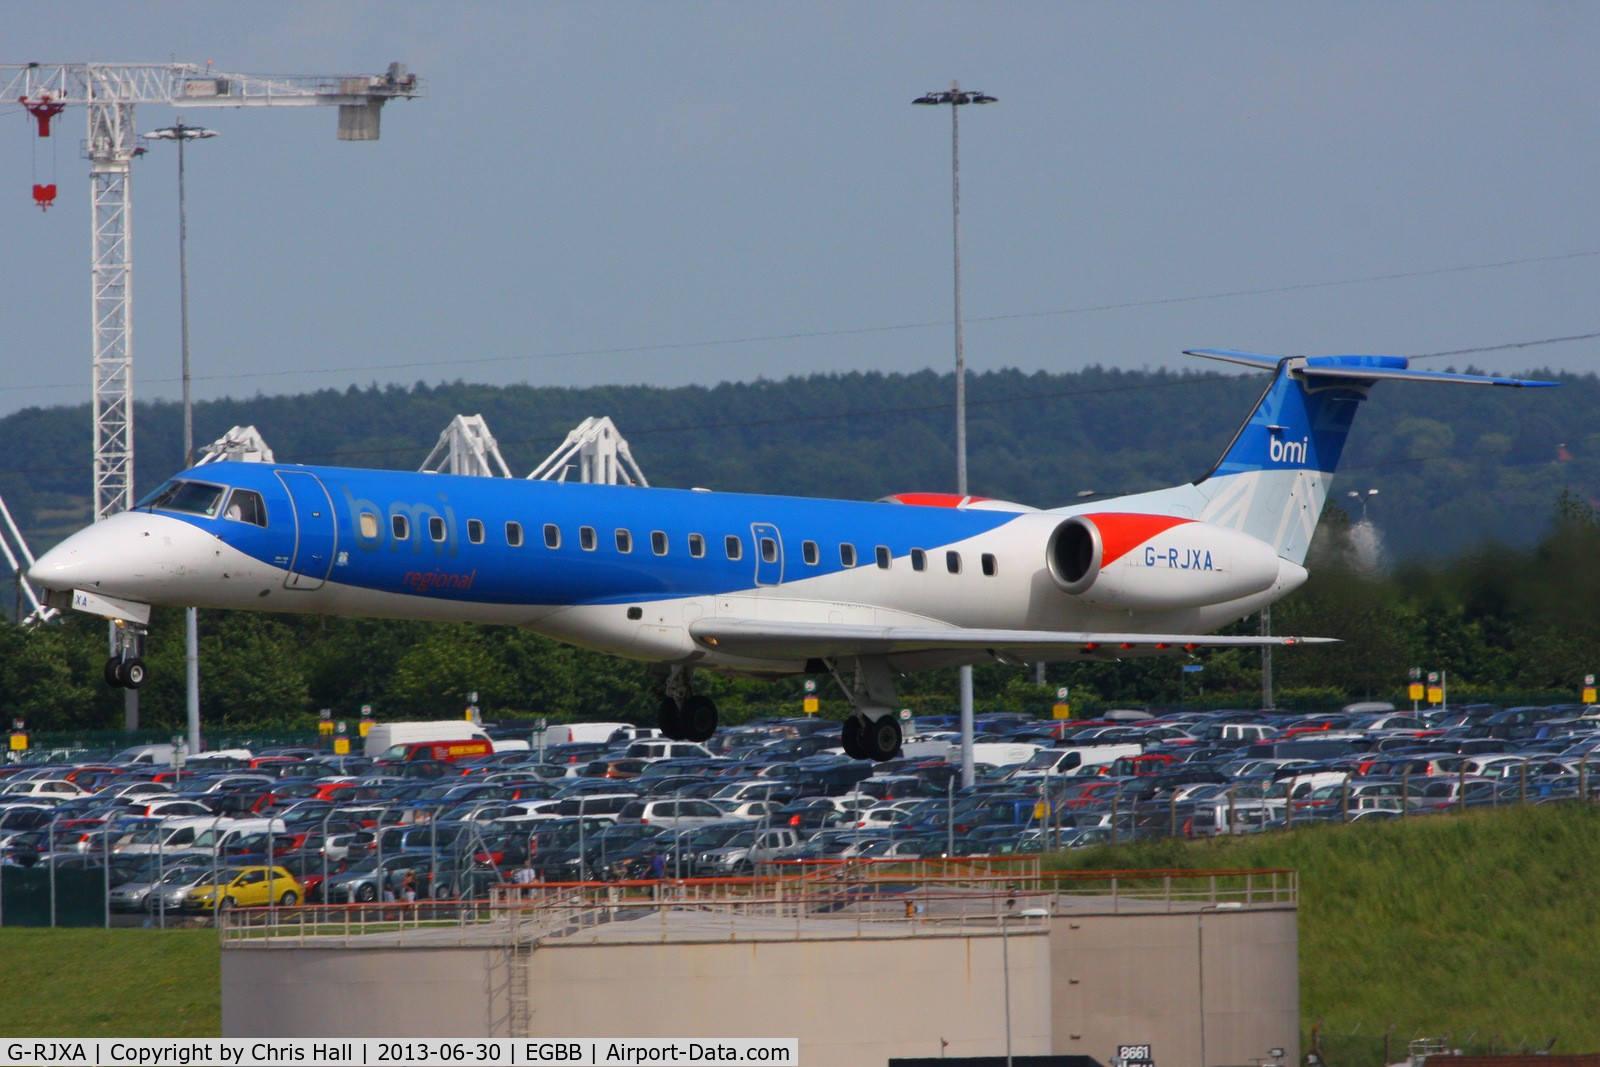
{"x":586,"y":179}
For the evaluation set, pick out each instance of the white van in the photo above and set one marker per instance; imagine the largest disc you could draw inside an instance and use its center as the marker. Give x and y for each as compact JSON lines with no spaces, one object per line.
{"x":995,"y":753}
{"x":385,"y":735}
{"x":172,"y":835}
{"x":588,"y":732}
{"x":1053,"y":761}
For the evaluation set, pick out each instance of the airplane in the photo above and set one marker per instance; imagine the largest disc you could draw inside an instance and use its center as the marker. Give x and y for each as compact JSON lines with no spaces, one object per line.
{"x":754,"y":585}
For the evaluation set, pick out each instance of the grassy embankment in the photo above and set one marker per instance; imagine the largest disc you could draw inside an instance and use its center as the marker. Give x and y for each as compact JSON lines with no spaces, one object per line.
{"x":110,"y":983}
{"x":1484,"y":925}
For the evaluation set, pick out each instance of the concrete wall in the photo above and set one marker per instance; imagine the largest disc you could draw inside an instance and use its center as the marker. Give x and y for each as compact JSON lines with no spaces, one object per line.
{"x":1093,"y":982}
{"x":355,"y":992}
{"x":1136,"y":979}
{"x":851,"y":1002}
{"x":854,"y":1003}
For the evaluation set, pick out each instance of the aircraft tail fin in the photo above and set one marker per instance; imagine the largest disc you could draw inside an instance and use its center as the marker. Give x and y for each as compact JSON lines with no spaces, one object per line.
{"x":1272,"y":480}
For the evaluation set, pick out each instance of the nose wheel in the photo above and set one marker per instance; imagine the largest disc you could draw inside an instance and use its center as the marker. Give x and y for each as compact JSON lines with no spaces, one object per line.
{"x":125,"y":673}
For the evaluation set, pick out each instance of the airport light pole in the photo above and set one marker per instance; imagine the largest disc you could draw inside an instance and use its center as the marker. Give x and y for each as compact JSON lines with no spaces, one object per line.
{"x":191,"y":617}
{"x":957,"y":97}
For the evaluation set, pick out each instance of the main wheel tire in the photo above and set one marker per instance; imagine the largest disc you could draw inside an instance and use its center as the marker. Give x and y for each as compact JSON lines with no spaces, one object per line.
{"x":131,"y":673}
{"x":850,"y":737}
{"x":669,"y":719}
{"x":113,"y":672}
{"x":880,"y":739}
{"x":289,"y":899}
{"x":698,"y":719}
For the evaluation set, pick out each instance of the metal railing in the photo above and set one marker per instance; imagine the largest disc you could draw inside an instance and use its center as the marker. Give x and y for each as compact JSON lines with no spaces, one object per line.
{"x":850,"y":899}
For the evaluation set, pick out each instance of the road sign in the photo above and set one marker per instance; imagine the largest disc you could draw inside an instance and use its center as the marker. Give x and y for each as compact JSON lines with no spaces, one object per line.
{"x":905,"y":714}
{"x":472,"y":697}
{"x":366,"y":711}
{"x":541,"y":725}
{"x":325,"y":714}
{"x":1415,"y":674}
{"x":1433,"y":677}
{"x":341,"y":746}
{"x":1435,"y":694}
{"x":810,"y":705}
{"x":338,"y":727}
{"x":1061,"y":694}
{"x":811,"y":685}
{"x":1192,"y":668}
{"x":19,"y":742}
{"x":1414,"y":691}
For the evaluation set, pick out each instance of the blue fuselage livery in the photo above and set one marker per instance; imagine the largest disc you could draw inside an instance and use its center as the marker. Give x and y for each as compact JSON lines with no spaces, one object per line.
{"x":745,"y":584}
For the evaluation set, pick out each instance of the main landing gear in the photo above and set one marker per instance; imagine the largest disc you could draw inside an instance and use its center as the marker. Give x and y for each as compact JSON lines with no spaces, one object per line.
{"x":684,"y":715}
{"x":871,"y":731}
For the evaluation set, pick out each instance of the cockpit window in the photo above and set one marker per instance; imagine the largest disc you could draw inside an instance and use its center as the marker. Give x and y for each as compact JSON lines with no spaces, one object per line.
{"x":195,"y":498}
{"x":246,"y":505}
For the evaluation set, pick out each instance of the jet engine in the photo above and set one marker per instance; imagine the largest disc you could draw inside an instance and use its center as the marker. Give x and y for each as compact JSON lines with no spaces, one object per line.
{"x":1157,"y":562}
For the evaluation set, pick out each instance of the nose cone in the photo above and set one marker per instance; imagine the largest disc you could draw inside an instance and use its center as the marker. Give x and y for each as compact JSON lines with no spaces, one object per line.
{"x":135,"y":554}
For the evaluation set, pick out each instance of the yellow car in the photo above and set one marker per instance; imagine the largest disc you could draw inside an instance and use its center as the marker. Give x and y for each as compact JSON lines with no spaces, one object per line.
{"x":243,"y":887}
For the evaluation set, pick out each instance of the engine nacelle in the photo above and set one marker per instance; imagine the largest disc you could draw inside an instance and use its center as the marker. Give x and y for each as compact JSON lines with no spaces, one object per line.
{"x":1156,"y":562}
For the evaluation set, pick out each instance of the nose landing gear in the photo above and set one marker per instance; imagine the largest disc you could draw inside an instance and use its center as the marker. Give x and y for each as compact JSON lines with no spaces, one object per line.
{"x":125,"y":669}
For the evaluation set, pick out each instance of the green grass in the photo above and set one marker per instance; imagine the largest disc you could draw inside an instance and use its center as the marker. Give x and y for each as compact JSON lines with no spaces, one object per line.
{"x":1485,"y":926}
{"x":111,"y":983}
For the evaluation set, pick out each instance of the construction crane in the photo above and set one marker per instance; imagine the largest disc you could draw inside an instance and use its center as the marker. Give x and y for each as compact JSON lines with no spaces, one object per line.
{"x":109,"y":93}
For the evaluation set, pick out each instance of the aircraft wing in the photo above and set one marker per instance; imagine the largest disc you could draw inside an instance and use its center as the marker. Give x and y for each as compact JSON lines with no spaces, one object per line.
{"x":763,"y":639}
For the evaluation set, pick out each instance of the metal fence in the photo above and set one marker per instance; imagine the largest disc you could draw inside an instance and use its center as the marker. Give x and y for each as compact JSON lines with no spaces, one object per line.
{"x":850,"y":899}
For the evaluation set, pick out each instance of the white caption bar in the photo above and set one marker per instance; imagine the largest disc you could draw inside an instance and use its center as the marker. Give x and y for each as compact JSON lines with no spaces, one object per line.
{"x":377,"y":1052}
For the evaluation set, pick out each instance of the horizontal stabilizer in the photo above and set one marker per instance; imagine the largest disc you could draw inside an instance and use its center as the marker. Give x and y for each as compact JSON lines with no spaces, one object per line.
{"x":764,"y":639}
{"x":1359,"y":368}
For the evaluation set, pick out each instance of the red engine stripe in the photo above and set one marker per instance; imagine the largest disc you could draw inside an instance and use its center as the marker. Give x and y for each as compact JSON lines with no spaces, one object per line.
{"x":1121,"y":533}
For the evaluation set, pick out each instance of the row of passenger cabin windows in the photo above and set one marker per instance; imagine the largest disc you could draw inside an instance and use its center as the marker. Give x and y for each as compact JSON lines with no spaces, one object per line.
{"x":732,"y":545}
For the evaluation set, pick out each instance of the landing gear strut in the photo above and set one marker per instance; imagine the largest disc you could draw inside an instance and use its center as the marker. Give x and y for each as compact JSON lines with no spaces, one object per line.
{"x":125,"y":668}
{"x":684,"y":715}
{"x":871,"y":731}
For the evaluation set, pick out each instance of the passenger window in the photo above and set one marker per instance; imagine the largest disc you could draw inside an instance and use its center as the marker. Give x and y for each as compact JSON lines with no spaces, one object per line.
{"x":514,"y":534}
{"x":658,"y":542}
{"x":436,"y":528}
{"x":697,"y":545}
{"x":952,"y":562}
{"x":586,"y":538}
{"x":919,"y":560}
{"x":246,"y":505}
{"x":733,"y":546}
{"x":769,"y":550}
{"x":808,"y":551}
{"x":884,"y":558}
{"x":624,"y":541}
{"x":475,"y":531}
{"x":552,"y":535}
{"x":847,"y":555}
{"x":401,"y":528}
{"x":369,"y":525}
{"x":990,"y":566}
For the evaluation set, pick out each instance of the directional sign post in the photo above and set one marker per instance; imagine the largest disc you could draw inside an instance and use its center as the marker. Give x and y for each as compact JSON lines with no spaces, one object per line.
{"x":811,"y":703}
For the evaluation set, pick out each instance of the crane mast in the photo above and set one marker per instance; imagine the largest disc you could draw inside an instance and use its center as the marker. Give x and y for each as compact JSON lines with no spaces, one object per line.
{"x":109,"y":92}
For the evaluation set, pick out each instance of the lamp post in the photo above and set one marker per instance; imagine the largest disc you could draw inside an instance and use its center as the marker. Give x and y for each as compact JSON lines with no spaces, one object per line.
{"x":956,"y":97}
{"x":1362,"y":498}
{"x":191,"y":617}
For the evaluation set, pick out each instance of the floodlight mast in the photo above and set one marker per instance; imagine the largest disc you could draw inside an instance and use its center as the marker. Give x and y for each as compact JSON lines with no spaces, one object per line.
{"x":109,"y":92}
